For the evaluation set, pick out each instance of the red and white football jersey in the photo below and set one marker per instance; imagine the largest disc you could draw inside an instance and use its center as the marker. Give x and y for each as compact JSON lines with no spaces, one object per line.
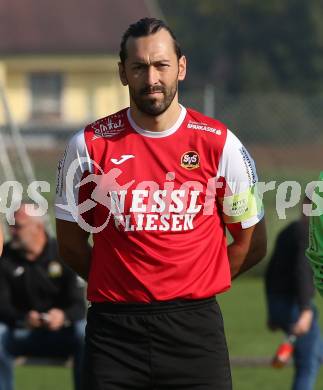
{"x":157,"y":204}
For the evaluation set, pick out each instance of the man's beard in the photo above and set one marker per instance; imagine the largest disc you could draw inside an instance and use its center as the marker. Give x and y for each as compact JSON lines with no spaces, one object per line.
{"x":151,"y":105}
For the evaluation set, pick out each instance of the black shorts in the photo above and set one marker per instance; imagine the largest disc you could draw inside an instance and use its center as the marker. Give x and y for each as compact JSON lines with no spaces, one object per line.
{"x":164,"y":345}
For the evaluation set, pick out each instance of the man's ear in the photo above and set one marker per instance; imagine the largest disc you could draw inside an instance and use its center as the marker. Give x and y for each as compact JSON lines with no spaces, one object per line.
{"x":181,"y":68}
{"x":122,"y":74}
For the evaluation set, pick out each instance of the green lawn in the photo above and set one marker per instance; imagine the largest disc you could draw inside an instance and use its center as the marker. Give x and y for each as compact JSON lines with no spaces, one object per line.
{"x":244,"y":313}
{"x":40,"y":378}
{"x":244,"y":316}
{"x":43,"y":378}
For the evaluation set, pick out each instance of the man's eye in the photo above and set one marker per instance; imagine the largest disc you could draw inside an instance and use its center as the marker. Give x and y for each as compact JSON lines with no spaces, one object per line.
{"x":137,"y":67}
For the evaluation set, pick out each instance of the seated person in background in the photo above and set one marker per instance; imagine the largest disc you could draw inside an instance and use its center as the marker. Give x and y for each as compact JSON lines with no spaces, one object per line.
{"x":42,"y":307}
{"x":290,"y":292}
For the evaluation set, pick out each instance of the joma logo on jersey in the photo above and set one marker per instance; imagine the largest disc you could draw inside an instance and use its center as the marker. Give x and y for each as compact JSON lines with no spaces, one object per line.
{"x":190,"y":160}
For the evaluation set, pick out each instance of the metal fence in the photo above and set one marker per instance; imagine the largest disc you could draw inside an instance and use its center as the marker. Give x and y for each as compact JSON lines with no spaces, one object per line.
{"x":281,"y":129}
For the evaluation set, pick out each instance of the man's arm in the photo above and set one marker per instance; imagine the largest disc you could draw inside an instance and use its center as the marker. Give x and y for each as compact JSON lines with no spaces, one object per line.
{"x":303,"y":279}
{"x":249,"y":246}
{"x":74,"y":247}
{"x":72,"y":297}
{"x":315,"y":250}
{"x":8,"y":312}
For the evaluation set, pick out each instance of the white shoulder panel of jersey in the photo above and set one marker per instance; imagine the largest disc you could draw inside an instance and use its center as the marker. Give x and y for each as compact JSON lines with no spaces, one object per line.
{"x":237,"y":167}
{"x":70,"y":169}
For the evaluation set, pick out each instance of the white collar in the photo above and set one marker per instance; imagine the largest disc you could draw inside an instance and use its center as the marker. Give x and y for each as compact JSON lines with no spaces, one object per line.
{"x":158,"y":134}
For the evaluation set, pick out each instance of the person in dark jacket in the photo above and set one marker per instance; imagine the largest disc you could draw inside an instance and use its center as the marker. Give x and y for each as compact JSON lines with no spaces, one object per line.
{"x":290,"y":292}
{"x":42,"y":306}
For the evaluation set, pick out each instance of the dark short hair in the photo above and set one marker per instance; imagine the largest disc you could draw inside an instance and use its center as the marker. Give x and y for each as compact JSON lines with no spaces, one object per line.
{"x":143,"y":28}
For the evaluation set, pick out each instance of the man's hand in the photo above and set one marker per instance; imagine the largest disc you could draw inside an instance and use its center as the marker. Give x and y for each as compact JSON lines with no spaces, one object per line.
{"x":304,"y":323}
{"x":55,"y":319}
{"x":33,"y":319}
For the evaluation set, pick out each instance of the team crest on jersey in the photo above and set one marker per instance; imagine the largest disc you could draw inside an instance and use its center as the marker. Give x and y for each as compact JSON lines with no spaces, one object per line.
{"x":190,"y":160}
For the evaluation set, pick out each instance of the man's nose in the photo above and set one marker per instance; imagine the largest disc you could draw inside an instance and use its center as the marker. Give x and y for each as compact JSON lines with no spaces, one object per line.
{"x":152,"y":75}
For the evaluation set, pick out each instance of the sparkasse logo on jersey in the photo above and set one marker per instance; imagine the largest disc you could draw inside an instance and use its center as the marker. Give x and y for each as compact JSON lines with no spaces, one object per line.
{"x":190,"y":160}
{"x":204,"y":127}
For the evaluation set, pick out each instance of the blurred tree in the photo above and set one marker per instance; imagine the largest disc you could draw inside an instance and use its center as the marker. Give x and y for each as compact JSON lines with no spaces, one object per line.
{"x":251,"y":45}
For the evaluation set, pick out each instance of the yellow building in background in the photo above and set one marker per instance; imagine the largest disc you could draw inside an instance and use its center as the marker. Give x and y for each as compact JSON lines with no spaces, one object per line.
{"x":58,"y":61}
{"x":67,"y":89}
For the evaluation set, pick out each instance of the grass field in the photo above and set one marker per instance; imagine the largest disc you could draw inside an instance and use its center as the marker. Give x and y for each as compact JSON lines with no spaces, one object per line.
{"x":244,"y":315}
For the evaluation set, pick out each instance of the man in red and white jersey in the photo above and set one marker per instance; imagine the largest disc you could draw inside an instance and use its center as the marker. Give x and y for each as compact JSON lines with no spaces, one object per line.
{"x":156,"y":185}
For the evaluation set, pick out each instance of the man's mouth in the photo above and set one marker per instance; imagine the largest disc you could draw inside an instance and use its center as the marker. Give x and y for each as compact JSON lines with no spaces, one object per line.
{"x":153,"y":91}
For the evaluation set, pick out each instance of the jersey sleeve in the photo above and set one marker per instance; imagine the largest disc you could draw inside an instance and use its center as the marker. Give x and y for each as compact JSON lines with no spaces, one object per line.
{"x":314,"y":251}
{"x":8,"y":312}
{"x":238,"y":197}
{"x":71,"y":169}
